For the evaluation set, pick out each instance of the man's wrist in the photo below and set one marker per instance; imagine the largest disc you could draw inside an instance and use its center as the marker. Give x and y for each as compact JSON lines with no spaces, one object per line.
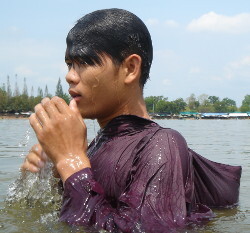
{"x":72,"y":164}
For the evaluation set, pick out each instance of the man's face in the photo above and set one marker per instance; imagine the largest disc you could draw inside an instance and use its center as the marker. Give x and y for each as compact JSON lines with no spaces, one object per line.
{"x":97,"y":90}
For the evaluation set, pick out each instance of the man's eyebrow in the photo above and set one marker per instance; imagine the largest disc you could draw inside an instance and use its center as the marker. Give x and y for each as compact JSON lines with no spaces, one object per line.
{"x":67,"y":60}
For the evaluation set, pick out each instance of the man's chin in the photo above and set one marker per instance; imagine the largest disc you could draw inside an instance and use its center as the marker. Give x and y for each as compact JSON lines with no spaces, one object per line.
{"x":88,"y":115}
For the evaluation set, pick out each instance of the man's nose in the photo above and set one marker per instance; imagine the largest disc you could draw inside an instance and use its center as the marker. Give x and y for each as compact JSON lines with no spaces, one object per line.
{"x":72,"y":76}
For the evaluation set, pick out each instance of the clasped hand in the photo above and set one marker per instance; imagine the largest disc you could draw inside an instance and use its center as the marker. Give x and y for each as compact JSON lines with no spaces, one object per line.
{"x":62,"y":135}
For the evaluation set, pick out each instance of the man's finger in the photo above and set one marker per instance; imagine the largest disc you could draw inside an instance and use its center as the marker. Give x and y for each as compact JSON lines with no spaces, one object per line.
{"x":50,"y":107}
{"x":60,"y":104}
{"x":26,"y":166}
{"x":38,"y":150}
{"x":74,"y":108}
{"x":45,"y":100}
{"x":41,"y":114}
{"x":35,"y":160}
{"x":35,"y":124}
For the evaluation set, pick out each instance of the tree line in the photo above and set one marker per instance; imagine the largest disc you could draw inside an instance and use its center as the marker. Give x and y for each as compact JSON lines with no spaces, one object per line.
{"x":203,"y":103}
{"x":12,"y":101}
{"x":20,"y":101}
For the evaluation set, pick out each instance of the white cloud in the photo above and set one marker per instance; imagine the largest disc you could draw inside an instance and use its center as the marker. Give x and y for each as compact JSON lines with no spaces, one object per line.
{"x":156,"y":22}
{"x":171,"y":23}
{"x":221,"y":23}
{"x":152,"y":22}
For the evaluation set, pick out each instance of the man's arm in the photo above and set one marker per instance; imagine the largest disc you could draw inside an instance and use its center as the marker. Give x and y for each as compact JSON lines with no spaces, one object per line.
{"x":153,"y":200}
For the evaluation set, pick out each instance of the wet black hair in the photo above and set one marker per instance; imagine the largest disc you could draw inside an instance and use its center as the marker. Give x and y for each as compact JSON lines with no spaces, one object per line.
{"x":113,"y":32}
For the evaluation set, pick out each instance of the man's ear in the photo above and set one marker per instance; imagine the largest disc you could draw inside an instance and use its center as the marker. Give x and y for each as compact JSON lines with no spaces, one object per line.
{"x":132,"y":66}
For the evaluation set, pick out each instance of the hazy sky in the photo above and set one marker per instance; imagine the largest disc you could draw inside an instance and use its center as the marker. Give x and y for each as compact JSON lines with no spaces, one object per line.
{"x":200,"y":46}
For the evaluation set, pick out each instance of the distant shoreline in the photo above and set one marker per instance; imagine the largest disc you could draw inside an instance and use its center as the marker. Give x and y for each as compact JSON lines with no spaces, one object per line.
{"x":13,"y":116}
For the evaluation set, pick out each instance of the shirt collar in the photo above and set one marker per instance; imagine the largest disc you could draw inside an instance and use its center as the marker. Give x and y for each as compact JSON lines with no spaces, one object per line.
{"x":127,"y":125}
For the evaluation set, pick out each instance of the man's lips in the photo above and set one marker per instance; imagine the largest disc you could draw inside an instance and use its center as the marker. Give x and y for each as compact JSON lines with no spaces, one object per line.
{"x":75,"y":95}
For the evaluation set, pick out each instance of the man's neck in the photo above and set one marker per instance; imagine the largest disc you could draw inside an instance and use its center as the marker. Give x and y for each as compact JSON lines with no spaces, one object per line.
{"x":134,"y":107}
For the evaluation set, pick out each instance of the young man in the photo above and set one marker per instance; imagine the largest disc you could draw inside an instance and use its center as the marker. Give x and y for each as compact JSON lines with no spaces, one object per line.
{"x":135,"y":175}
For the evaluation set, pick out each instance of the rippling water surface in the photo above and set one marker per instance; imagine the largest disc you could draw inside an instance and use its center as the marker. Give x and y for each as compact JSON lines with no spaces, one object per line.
{"x":33,"y":202}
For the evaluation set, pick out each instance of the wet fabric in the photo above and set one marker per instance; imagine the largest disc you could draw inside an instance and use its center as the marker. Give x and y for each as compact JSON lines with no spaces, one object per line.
{"x":145,"y":178}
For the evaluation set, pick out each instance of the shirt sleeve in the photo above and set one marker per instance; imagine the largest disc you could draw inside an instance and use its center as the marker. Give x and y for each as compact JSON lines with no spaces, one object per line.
{"x":153,"y":201}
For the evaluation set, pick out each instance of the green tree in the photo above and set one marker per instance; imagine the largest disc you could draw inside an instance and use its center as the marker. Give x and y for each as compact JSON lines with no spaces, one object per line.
{"x":16,"y":91}
{"x":213,"y":99}
{"x":33,"y":101}
{"x":59,"y":89}
{"x":151,"y":102}
{"x":25,"y":88}
{"x":9,"y":92}
{"x":3,"y":87}
{"x":32,"y":92}
{"x":229,"y":104}
{"x":192,"y":103}
{"x":203,"y":99}
{"x":245,"y":107}
{"x":3,"y":99}
{"x":177,"y":106}
{"x":205,"y":104}
{"x":162,"y":106}
{"x":225,"y":105}
{"x":46,"y":91}
{"x":60,"y":93}
{"x":40,"y":92}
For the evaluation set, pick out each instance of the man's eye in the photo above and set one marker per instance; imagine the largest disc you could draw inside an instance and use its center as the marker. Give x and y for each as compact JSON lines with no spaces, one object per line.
{"x":69,"y":64}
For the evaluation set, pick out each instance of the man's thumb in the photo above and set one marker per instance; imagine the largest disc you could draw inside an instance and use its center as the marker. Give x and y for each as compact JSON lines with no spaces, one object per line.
{"x":74,"y":108}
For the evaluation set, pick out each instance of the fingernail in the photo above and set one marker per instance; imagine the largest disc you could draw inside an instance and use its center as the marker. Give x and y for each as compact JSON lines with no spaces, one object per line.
{"x":40,"y":164}
{"x":36,"y":169}
{"x":44,"y":156}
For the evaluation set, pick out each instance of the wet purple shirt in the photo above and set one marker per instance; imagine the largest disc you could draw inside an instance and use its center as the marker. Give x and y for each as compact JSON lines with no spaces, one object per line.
{"x":144,"y":177}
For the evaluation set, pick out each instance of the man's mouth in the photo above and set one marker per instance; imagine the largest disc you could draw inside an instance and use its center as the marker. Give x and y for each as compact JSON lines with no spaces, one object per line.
{"x":75,"y":95}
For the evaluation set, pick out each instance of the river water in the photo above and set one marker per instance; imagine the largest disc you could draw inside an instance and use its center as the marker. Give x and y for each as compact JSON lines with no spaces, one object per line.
{"x":30,"y":204}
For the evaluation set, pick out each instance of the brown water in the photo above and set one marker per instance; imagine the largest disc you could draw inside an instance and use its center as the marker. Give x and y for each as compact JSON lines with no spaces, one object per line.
{"x":33,"y":202}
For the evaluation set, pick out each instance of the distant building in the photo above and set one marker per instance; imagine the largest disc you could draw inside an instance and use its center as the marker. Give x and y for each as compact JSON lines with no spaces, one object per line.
{"x":238,"y":115}
{"x":234,"y":115}
{"x":160,"y":115}
{"x":214,"y":115}
{"x":195,"y":115}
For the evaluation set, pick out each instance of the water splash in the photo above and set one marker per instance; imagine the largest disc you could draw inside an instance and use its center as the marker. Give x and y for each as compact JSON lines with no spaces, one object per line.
{"x":25,"y":142}
{"x":32,"y":189}
{"x":39,"y":191}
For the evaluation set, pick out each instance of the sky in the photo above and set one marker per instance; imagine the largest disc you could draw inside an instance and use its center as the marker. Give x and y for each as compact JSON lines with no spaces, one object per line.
{"x":200,"y":47}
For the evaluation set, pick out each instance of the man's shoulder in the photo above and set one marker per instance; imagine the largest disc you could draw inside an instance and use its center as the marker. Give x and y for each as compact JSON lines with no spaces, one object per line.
{"x":168,"y":136}
{"x":169,"y":132}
